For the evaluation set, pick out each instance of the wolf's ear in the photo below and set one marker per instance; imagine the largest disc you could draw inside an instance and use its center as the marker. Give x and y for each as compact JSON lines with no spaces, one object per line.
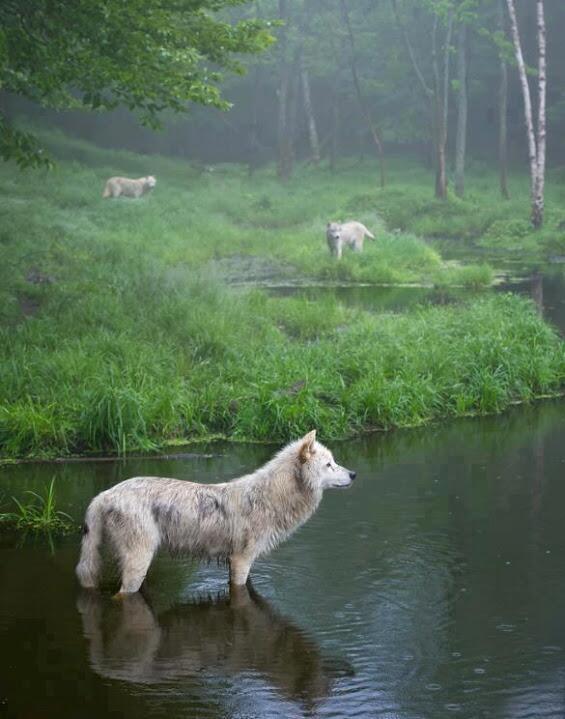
{"x":307,"y":448}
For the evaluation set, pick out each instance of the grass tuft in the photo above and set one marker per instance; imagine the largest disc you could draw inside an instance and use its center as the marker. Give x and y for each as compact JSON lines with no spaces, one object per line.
{"x":38,"y":514}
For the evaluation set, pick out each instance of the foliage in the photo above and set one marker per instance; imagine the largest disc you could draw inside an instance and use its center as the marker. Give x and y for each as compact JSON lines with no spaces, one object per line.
{"x":39,"y":513}
{"x":149,"y":55}
{"x":119,"y":331}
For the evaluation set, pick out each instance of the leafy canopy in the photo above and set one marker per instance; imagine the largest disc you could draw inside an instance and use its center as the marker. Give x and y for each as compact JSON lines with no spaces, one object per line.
{"x":149,"y":55}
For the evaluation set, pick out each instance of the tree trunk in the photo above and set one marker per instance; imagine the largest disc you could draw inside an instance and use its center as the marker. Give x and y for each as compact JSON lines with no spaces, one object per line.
{"x":334,"y":146}
{"x":461,"y":137}
{"x":536,"y":146}
{"x":309,"y":111}
{"x":431,"y":96}
{"x":503,"y":115}
{"x":441,"y":100}
{"x":375,"y":134}
{"x":253,"y":142}
{"x":538,"y":204}
{"x":441,"y":183}
{"x":284,"y":166}
{"x":293,"y":102}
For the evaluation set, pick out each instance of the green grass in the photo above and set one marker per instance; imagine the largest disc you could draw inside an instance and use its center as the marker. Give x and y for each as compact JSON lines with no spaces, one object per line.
{"x":482,"y":217}
{"x":38,"y":514}
{"x":59,"y":219}
{"x":208,"y":361}
{"x":134,"y":340}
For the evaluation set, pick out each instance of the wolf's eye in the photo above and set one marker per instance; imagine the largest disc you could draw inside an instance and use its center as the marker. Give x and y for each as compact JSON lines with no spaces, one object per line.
{"x":329,"y":464}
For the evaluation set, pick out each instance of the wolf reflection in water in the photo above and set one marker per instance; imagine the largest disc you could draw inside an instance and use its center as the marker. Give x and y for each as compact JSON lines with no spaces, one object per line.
{"x":236,"y":633}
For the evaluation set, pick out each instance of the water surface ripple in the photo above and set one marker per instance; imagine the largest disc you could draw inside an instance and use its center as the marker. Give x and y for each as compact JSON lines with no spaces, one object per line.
{"x":433,"y":588}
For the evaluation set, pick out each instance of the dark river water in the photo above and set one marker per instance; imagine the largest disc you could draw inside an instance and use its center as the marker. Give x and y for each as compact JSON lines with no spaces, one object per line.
{"x":434,"y":587}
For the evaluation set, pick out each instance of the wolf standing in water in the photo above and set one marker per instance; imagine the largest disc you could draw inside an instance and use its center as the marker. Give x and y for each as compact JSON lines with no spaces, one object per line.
{"x":235,"y":521}
{"x":350,"y":234}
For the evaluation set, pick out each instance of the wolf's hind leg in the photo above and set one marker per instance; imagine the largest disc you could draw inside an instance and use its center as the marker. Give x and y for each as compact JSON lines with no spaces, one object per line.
{"x":135,"y":564}
{"x":135,"y":555}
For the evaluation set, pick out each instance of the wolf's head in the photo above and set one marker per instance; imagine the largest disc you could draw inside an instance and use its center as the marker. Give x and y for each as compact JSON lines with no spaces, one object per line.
{"x":150,"y":182}
{"x":318,"y":466}
{"x":333,"y":230}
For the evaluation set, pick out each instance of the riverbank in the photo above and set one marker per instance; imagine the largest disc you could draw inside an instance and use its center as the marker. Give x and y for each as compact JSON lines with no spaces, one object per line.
{"x":119,"y":330}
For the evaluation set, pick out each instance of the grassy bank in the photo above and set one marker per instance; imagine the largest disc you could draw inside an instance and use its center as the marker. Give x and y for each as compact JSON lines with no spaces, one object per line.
{"x":148,"y":362}
{"x":482,"y":217}
{"x":118,"y":331}
{"x":200,"y":217}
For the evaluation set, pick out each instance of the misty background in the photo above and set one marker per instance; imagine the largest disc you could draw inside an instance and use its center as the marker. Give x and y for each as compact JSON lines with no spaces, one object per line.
{"x":315,"y":38}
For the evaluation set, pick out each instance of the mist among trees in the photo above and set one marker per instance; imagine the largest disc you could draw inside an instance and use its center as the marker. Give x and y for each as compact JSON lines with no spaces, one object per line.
{"x":446,"y":82}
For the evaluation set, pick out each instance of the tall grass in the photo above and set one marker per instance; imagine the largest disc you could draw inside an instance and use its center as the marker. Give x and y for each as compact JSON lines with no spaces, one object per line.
{"x":260,"y":368}
{"x":59,"y":221}
{"x":135,"y":340}
{"x":38,"y":513}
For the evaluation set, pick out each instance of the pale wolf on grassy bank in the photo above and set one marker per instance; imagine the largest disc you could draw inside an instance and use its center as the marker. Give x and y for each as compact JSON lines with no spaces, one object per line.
{"x":235,"y":521}
{"x":125,"y":187}
{"x":346,"y":234}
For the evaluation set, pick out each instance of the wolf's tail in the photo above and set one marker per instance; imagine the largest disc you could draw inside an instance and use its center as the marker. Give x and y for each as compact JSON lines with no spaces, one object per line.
{"x":369,"y":234}
{"x":90,"y":562}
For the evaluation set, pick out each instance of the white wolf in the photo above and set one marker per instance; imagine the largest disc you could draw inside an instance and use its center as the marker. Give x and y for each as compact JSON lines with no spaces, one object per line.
{"x":233,"y":521}
{"x":123,"y":186}
{"x":351,"y":234}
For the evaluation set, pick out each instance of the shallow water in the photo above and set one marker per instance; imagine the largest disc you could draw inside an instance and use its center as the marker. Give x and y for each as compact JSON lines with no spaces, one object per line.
{"x":434,"y":586}
{"x":547,"y":290}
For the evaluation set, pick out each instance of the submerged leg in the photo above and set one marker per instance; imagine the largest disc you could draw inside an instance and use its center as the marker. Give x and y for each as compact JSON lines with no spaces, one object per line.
{"x":135,"y":554}
{"x":134,"y":570}
{"x":239,"y":569}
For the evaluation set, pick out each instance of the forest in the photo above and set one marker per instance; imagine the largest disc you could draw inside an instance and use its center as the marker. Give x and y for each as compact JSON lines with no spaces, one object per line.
{"x":291,"y":243}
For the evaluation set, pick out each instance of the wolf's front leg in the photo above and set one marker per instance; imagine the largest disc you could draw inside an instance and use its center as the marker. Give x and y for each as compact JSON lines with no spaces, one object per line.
{"x":239,"y":569}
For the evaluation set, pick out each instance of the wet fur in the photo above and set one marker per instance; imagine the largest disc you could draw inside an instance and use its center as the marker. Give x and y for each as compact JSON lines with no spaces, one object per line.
{"x":235,"y":521}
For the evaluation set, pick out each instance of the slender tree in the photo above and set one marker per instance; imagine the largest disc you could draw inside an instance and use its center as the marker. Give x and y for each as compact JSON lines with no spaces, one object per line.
{"x":502,"y":111}
{"x":363,"y":106}
{"x":253,"y":139}
{"x":441,"y":84}
{"x":285,"y":153}
{"x":435,"y":93}
{"x":334,"y":142}
{"x":536,"y":135}
{"x":306,"y":92}
{"x":309,"y":111}
{"x":461,"y":134}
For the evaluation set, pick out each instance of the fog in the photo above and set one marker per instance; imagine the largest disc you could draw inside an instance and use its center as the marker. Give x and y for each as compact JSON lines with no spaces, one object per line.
{"x":334,"y":45}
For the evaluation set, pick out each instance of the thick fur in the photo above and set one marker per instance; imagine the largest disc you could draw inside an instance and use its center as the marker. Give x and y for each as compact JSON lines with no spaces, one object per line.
{"x":233,"y":521}
{"x":125,"y":187}
{"x":346,"y":234}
